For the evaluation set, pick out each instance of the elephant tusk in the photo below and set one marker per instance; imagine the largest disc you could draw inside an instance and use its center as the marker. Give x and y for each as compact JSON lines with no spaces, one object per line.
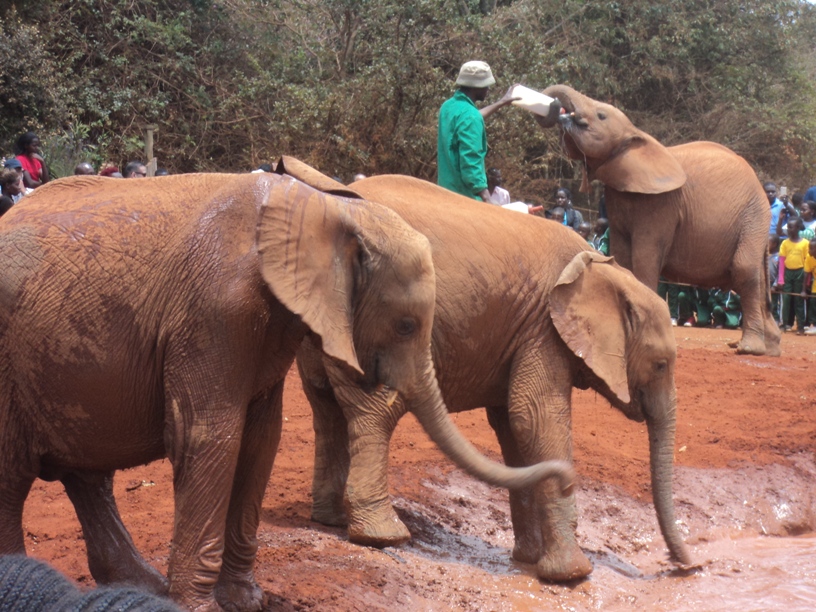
{"x":391,"y":397}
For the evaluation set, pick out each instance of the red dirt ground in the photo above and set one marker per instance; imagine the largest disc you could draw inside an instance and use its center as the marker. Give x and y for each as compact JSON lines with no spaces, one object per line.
{"x":745,"y":492}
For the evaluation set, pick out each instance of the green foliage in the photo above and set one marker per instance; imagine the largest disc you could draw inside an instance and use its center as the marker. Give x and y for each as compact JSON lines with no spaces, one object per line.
{"x":355,"y":85}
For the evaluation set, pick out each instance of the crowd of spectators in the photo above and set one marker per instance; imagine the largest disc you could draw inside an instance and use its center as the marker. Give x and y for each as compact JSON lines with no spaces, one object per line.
{"x":791,"y":239}
{"x":26,"y":170}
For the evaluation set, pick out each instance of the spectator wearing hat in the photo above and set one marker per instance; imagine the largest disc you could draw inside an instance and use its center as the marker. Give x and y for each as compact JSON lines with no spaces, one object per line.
{"x":27,"y":148}
{"x":461,"y":139}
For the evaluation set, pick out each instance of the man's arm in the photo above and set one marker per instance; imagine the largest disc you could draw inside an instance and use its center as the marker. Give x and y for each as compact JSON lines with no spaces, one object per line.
{"x":505,"y":100}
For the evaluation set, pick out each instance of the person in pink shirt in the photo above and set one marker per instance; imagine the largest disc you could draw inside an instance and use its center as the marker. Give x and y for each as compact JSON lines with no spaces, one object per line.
{"x":27,"y":149}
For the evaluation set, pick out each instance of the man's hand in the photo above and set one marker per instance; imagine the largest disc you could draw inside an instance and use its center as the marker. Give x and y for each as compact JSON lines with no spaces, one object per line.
{"x":504,"y":101}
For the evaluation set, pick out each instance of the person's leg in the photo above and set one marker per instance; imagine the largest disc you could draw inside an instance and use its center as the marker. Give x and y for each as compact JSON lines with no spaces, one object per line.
{"x":703,"y":308}
{"x":671,"y":296}
{"x":775,"y":307}
{"x":684,"y":306}
{"x":787,"y":288}
{"x":718,"y":316}
{"x":798,"y":283}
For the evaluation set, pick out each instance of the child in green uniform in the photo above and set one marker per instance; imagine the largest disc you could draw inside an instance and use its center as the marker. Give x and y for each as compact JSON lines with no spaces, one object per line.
{"x":726,"y":308}
{"x":792,"y":254}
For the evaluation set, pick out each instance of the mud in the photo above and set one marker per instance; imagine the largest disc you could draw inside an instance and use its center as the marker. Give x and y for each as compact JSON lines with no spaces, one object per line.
{"x":745,"y":491}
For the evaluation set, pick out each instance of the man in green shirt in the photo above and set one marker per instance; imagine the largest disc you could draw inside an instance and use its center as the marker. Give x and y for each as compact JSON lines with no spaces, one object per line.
{"x":461,"y":140}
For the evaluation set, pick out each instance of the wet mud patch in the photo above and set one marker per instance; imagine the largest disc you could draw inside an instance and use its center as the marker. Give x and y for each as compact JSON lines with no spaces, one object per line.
{"x":744,"y":491}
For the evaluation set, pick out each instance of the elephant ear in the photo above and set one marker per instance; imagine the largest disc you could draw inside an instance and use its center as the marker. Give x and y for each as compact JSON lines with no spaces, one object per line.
{"x":590,"y":315}
{"x":642,"y":165}
{"x":289,"y":166}
{"x":312,"y":256}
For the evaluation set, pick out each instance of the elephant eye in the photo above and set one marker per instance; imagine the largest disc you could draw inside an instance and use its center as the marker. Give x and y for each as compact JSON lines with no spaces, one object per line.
{"x":661,"y":366}
{"x":602,"y":115}
{"x":406,"y":327}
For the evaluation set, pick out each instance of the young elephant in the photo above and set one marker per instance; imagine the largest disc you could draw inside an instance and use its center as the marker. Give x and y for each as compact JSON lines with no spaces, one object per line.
{"x":143,"y":319}
{"x":694,"y":213}
{"x":525,"y":311}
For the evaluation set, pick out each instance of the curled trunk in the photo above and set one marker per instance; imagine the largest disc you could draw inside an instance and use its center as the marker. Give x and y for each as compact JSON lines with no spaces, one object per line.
{"x":429,"y":408}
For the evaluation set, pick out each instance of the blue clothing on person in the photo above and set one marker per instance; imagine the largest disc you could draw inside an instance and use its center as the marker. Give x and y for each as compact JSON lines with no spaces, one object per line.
{"x":776,"y":209}
{"x":810,"y":194}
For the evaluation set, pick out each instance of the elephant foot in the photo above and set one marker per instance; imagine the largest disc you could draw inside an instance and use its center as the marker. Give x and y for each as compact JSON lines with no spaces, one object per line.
{"x":199,"y":604}
{"x":757,"y":344}
{"x":752,"y":348}
{"x":152,"y":581}
{"x":568,"y":563}
{"x":383,"y":529}
{"x":328,"y":514}
{"x":526,"y":553}
{"x":239,"y":595}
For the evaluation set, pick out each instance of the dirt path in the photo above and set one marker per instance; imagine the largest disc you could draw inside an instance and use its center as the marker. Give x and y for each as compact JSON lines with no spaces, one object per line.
{"x":745,"y":492}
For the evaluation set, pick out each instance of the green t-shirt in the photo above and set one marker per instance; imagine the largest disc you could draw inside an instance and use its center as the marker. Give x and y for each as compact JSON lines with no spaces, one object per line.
{"x":461,"y":147}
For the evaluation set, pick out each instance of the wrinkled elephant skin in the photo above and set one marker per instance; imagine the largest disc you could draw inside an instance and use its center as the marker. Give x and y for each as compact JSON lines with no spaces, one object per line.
{"x":158,"y":317}
{"x":525,"y":311}
{"x":695,"y":213}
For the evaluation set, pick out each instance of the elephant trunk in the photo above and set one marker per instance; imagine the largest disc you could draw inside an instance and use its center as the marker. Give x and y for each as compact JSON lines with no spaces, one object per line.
{"x":661,"y":450}
{"x":568,"y":97}
{"x":429,"y":408}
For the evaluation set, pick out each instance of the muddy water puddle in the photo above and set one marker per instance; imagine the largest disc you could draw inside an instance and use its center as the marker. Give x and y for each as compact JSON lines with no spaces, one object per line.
{"x":463,"y":539}
{"x":460,"y":555}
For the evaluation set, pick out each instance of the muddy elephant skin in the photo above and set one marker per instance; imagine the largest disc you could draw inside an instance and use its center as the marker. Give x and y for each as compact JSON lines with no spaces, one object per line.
{"x":158,"y":317}
{"x":695,"y":213}
{"x":525,"y":311}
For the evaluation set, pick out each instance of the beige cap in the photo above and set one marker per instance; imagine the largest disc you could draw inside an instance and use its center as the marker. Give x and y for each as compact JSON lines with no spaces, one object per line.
{"x":475,"y":74}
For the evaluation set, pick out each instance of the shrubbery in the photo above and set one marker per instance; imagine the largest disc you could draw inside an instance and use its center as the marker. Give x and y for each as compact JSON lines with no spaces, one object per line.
{"x":355,"y":85}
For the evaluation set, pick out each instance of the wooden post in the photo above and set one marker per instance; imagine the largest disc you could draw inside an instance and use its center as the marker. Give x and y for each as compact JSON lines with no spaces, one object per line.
{"x":151,"y":163}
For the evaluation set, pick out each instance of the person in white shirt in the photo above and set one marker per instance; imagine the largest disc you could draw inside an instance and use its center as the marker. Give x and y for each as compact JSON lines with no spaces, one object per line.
{"x":498,"y":195}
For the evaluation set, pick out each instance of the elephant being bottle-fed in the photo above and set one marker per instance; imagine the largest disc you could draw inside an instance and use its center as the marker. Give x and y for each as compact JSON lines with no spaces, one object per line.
{"x":694,"y":213}
{"x":141,"y":320}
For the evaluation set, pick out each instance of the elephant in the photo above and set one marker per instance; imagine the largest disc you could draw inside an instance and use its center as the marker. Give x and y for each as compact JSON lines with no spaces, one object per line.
{"x":525,"y":311}
{"x":695,"y":213}
{"x":158,"y":318}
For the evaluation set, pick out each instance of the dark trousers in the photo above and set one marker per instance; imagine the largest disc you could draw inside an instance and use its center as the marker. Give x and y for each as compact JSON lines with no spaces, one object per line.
{"x":794,"y":282}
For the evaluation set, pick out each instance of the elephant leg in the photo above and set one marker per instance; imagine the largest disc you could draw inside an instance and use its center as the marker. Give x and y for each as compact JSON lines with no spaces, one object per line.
{"x":760,"y":334}
{"x":620,"y":247}
{"x":528,"y":545}
{"x":331,"y":463}
{"x":237,"y":588}
{"x":15,"y":484}
{"x":539,"y":428}
{"x":203,"y":437}
{"x":112,"y":556}
{"x":372,"y":520}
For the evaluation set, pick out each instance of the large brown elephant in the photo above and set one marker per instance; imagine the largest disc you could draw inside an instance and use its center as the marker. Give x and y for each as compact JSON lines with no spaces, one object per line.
{"x":695,"y":213}
{"x":525,"y":311}
{"x":158,"y":317}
